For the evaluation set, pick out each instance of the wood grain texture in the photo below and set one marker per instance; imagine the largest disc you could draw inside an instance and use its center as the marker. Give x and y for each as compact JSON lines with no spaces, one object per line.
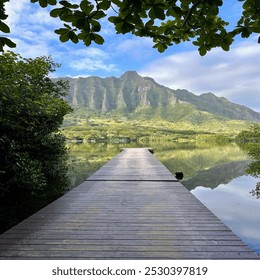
{"x":131,"y":208}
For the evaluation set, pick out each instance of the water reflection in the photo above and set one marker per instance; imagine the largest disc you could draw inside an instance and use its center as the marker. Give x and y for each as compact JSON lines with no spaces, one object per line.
{"x":221,"y":174}
{"x":234,"y":205}
{"x":216,"y":174}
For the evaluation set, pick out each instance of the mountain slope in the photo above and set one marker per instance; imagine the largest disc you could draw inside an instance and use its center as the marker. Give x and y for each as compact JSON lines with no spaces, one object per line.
{"x":218,"y":105}
{"x":136,"y":97}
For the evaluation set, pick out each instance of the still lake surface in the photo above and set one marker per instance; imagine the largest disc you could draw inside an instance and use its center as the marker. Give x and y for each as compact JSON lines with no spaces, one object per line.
{"x":215,"y":174}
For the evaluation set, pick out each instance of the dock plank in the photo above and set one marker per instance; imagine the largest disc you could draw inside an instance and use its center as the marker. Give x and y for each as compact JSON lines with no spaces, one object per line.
{"x":131,"y":208}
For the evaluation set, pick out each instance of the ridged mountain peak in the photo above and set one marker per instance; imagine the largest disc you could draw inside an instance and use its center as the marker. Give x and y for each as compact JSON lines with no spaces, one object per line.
{"x":132,"y":95}
{"x":131,"y":75}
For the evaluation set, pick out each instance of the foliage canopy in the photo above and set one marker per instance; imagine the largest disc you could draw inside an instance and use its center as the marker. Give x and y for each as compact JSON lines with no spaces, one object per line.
{"x":166,"y":22}
{"x":32,"y":108}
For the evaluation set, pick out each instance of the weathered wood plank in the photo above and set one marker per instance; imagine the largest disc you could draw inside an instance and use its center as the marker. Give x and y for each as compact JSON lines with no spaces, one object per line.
{"x":131,"y":208}
{"x":128,"y":248}
{"x":123,"y":242}
{"x":120,"y":254}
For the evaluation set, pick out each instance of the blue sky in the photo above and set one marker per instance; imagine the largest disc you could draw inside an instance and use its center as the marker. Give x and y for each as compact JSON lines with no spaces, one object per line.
{"x":233,"y":74}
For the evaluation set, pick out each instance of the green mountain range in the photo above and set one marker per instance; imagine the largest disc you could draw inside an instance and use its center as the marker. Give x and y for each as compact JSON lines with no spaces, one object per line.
{"x":135,"y":97}
{"x":137,"y":109}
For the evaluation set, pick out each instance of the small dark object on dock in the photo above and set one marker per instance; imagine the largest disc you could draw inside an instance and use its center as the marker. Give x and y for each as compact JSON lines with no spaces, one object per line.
{"x":179,"y":175}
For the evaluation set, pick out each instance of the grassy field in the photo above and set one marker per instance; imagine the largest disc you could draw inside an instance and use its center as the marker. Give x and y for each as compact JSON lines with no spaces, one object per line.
{"x":101,"y":129}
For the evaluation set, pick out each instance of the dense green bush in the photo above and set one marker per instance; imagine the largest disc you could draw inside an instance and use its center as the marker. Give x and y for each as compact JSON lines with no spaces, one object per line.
{"x":32,"y":151}
{"x":251,"y":135}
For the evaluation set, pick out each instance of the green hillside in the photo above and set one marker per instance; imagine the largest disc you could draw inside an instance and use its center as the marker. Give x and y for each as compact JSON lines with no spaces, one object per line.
{"x":135,"y":108}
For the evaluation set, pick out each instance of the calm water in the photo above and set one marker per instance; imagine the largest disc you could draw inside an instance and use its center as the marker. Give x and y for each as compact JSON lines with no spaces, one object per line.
{"x":214,"y":174}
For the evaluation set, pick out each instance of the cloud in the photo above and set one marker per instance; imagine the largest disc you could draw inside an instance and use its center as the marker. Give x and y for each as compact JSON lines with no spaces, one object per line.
{"x":23,"y":16}
{"x":91,"y":64}
{"x":14,"y":11}
{"x":90,"y":52}
{"x":31,"y":50}
{"x":233,"y":74}
{"x":32,"y":29}
{"x":135,"y":47}
{"x":81,"y":60}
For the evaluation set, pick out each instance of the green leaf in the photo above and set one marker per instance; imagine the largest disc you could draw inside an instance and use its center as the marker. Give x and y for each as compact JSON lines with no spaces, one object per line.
{"x":65,"y":14}
{"x":149,"y":23}
{"x":65,"y":3}
{"x":4,"y":27}
{"x":64,"y":37}
{"x":82,"y":35}
{"x":56,"y":12}
{"x":245,"y":32}
{"x":69,"y":5}
{"x":1,"y":45}
{"x":97,"y":14}
{"x":96,"y":27}
{"x":76,"y":17}
{"x":247,"y":4}
{"x":156,"y":12}
{"x":8,"y":42}
{"x":3,"y":16}
{"x":67,"y":26}
{"x":105,"y":4}
{"x":73,"y":37}
{"x":176,"y":11}
{"x":61,"y":30}
{"x":98,"y":39}
{"x":118,"y":3}
{"x":224,"y":46}
{"x":160,"y":47}
{"x":81,"y":24}
{"x":126,"y":27}
{"x":52,"y":2}
{"x":86,"y":7}
{"x":43,"y":3}
{"x":115,"y":20}
{"x":87,"y":40}
{"x":202,"y":50}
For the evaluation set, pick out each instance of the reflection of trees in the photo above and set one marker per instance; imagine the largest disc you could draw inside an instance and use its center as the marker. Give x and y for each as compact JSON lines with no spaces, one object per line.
{"x":252,"y":146}
{"x":254,"y":170}
{"x":200,"y":163}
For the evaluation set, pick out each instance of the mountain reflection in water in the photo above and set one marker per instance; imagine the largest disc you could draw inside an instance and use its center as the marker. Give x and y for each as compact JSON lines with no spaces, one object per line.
{"x":234,"y":205}
{"x":215,"y":174}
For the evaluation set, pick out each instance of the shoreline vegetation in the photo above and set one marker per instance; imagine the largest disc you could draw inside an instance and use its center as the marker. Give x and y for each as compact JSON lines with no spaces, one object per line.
{"x":99,"y":129}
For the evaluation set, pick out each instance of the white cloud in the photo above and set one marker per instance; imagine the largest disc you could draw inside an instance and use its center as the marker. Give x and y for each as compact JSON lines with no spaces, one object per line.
{"x":23,"y":15}
{"x":32,"y":29}
{"x":91,"y":64}
{"x":31,"y":50}
{"x":233,"y":74}
{"x":83,"y":60}
{"x":41,"y":17}
{"x":89,"y":52}
{"x":135,"y":47}
{"x":14,"y":10}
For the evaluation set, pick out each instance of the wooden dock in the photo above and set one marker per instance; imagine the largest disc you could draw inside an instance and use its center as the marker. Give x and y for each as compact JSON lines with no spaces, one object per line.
{"x":131,"y":208}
